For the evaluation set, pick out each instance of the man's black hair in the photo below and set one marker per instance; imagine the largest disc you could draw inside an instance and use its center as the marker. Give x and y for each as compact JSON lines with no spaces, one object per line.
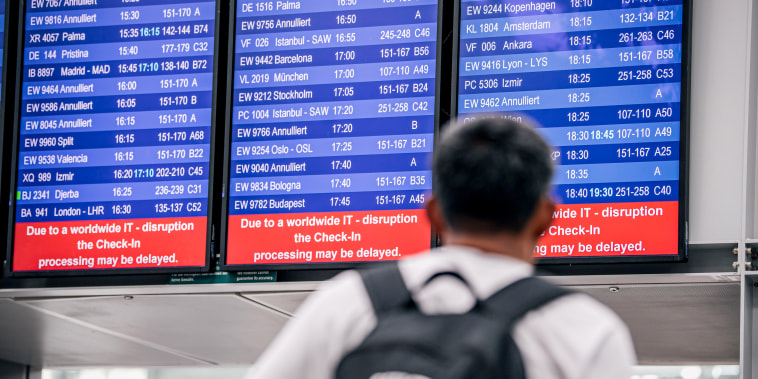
{"x":489,"y":174}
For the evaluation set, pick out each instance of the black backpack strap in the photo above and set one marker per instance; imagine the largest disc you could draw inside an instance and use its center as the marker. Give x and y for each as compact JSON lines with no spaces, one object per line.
{"x":385,"y":287}
{"x":514,"y":301}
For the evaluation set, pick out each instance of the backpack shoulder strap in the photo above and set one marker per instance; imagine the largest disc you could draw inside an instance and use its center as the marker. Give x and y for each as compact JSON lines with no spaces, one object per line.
{"x":527,"y":294}
{"x":385,"y":287}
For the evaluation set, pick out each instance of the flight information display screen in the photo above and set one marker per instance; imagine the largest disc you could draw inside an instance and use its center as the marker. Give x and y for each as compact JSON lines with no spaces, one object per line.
{"x":605,"y":80}
{"x":114,"y":138}
{"x":332,"y":128}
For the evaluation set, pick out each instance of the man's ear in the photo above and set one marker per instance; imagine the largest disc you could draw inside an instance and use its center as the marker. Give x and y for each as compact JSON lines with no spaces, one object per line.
{"x":543,"y":215}
{"x":436,"y":218}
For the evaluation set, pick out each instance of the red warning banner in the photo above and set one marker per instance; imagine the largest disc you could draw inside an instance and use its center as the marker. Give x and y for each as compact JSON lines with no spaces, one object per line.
{"x":327,"y":237}
{"x":110,"y":244}
{"x":612,"y":229}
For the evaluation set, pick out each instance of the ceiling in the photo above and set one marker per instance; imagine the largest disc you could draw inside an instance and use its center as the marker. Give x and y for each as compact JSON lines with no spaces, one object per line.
{"x":674,"y":319}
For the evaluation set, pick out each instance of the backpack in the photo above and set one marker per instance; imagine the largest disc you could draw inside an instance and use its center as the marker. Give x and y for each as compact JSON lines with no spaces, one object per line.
{"x":407,"y":344}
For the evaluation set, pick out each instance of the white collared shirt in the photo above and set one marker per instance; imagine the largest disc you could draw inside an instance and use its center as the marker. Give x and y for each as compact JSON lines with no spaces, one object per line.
{"x":573,"y":337}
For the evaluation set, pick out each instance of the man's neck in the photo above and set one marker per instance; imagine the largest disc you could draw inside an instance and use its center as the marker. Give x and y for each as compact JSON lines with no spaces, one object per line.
{"x":506,"y":244}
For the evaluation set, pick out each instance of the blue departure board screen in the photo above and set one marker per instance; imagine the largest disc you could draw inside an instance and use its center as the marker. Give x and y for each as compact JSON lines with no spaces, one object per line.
{"x":607,"y":81}
{"x":332,"y":128}
{"x":114,"y":138}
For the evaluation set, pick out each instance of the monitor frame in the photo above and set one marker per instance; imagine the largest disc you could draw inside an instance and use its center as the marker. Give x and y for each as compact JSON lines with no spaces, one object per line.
{"x":5,"y":91}
{"x":224,"y":229}
{"x":684,"y":150}
{"x":209,"y":244}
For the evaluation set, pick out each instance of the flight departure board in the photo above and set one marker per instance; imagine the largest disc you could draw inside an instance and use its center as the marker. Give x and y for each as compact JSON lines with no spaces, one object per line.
{"x":114,"y":136}
{"x":331,"y":131}
{"x":607,"y":81}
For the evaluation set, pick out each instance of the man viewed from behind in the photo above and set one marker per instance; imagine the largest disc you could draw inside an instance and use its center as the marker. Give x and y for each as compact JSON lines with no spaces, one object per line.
{"x":489,"y":206}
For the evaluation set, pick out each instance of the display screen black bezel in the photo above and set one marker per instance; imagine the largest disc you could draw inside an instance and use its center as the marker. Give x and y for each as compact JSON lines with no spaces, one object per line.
{"x":684,"y":161}
{"x":441,"y":9}
{"x":14,"y":167}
